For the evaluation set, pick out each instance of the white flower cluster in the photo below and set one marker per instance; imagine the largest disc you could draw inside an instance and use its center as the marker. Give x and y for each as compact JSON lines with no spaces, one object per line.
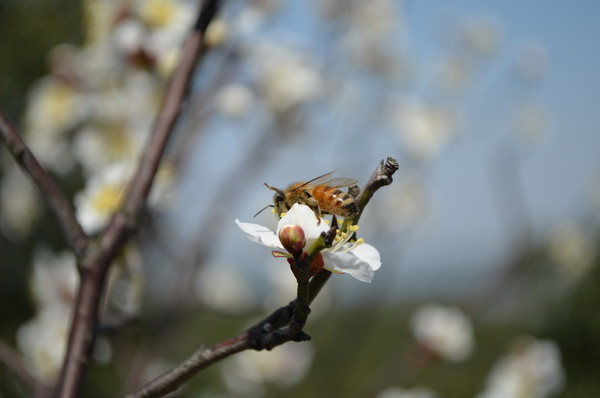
{"x":95,"y":108}
{"x":43,"y":338}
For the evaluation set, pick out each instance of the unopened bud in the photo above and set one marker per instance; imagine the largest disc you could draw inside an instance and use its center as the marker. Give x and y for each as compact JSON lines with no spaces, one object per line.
{"x":292,"y":238}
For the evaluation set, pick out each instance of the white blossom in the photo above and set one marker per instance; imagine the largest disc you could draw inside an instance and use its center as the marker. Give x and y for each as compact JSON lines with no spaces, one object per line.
{"x":443,"y":330}
{"x":101,"y":196}
{"x":398,"y":392}
{"x":246,"y":373}
{"x":43,"y":339}
{"x":222,"y":288}
{"x":531,"y":369}
{"x":234,"y":99}
{"x":20,"y":206}
{"x":358,"y":259}
{"x":55,"y":279}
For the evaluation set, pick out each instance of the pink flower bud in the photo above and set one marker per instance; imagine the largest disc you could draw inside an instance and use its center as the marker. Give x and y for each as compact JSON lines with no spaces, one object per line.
{"x":292,"y":238}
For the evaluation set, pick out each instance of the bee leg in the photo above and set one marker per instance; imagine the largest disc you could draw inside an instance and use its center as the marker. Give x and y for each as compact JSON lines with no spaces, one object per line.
{"x":354,"y":191}
{"x":311,"y":202}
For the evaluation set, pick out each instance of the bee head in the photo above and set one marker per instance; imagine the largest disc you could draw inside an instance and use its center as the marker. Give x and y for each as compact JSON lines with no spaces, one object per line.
{"x":278,"y":199}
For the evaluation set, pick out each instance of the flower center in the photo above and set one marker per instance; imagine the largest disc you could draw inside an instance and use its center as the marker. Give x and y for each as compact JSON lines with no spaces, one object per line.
{"x":343,"y":241}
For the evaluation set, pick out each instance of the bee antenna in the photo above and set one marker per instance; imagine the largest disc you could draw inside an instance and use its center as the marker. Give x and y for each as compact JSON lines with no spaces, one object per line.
{"x":279,"y":191}
{"x":263,"y":209}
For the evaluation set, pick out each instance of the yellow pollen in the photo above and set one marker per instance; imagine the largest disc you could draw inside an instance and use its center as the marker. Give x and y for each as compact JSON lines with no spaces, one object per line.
{"x":326,"y":221}
{"x":360,"y":241}
{"x":273,"y":211}
{"x":353,"y":228}
{"x":282,"y":215}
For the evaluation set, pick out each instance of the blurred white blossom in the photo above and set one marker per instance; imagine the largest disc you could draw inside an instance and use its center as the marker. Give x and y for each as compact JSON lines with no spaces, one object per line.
{"x":288,"y":78}
{"x":223,"y":288}
{"x":398,"y":392}
{"x":20,"y":206}
{"x":454,"y":73}
{"x":532,"y":121}
{"x":55,"y":279}
{"x":54,"y":108}
{"x":424,"y":129}
{"x":168,"y":22}
{"x":531,"y":369}
{"x":531,"y":61}
{"x":103,"y":194}
{"x":443,"y":330}
{"x":101,"y":197}
{"x":216,"y":32}
{"x":571,"y":252}
{"x":126,"y":283}
{"x":234,"y":99}
{"x":42,"y":340}
{"x":406,"y":203}
{"x":247,"y":373}
{"x":481,"y":35}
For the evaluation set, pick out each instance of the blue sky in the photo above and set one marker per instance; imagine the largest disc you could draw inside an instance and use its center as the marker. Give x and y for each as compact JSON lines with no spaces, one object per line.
{"x":474,"y":218}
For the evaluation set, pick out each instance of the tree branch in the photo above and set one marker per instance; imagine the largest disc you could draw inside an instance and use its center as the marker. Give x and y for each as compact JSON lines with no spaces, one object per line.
{"x":96,"y":263}
{"x":201,"y":359}
{"x":284,"y":324}
{"x":53,"y":195}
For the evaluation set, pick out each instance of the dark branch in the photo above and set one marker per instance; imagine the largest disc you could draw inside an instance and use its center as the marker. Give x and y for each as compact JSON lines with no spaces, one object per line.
{"x":55,"y":198}
{"x":201,"y":359}
{"x":96,"y":264}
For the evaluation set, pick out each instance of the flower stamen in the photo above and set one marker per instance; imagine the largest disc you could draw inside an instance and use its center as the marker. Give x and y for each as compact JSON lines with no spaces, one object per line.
{"x":343,"y":242}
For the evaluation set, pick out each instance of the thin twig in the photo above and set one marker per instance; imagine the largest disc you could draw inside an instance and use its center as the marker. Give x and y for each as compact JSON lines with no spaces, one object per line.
{"x":202,"y":358}
{"x":95,"y":265}
{"x":53,"y":195}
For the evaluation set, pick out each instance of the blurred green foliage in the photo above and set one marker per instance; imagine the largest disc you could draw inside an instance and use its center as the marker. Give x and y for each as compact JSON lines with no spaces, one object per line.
{"x":28,"y":30}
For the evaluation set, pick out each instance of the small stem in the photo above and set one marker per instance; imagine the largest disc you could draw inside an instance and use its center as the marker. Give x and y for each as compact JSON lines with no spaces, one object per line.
{"x":381,"y":177}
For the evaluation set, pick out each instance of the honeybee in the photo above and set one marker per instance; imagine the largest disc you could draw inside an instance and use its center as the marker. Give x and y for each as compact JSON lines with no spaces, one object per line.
{"x":321,"y":194}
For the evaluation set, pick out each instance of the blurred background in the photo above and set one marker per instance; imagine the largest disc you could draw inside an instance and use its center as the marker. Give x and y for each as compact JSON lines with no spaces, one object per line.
{"x":488,"y":236}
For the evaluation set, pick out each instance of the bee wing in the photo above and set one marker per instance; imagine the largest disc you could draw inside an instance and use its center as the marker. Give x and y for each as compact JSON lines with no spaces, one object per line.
{"x":326,"y":179}
{"x":340,"y":182}
{"x":316,"y":181}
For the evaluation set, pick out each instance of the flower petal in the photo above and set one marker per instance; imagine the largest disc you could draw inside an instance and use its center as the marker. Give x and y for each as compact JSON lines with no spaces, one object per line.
{"x":361,"y":264}
{"x":304,"y":217}
{"x":259,"y":234}
{"x":368,"y":254}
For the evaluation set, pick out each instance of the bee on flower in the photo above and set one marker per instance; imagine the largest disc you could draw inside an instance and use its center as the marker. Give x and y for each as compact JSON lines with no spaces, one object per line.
{"x":299,"y":228}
